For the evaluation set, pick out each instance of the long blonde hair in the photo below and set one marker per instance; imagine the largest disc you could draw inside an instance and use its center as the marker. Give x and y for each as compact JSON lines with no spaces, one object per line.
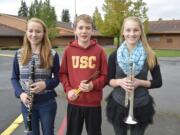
{"x":151,"y":61}
{"x":45,"y":50}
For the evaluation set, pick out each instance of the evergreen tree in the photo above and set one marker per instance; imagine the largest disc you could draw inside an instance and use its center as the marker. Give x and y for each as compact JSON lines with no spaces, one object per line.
{"x":45,"y":12}
{"x":97,"y":19}
{"x":35,"y":9}
{"x":23,"y":10}
{"x":65,"y":16}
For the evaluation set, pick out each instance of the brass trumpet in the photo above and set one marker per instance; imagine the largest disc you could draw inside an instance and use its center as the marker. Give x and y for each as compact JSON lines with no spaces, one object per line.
{"x":129,"y":98}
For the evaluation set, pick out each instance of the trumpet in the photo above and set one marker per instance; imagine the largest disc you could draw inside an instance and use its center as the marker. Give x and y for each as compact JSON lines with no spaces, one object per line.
{"x":31,"y":95}
{"x":129,"y":98}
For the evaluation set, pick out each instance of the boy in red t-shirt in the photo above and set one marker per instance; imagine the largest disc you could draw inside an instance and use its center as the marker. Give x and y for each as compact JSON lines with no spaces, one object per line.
{"x":82,"y":58}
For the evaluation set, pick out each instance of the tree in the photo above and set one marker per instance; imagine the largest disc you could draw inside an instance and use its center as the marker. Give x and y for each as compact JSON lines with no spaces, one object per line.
{"x":65,"y":16}
{"x":45,"y":12}
{"x":97,"y":19}
{"x":23,"y":10}
{"x":115,"y":12}
{"x":138,"y":8}
{"x":35,"y":9}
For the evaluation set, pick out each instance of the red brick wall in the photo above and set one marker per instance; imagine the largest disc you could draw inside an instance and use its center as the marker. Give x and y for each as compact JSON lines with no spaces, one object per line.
{"x":170,"y":42}
{"x":63,"y":41}
{"x":10,"y":41}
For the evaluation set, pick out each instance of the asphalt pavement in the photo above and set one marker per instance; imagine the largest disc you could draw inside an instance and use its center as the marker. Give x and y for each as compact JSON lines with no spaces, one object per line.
{"x":167,"y":118}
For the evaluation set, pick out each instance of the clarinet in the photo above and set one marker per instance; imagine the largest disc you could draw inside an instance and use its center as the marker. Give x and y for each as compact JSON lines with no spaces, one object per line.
{"x":31,"y":95}
{"x":92,"y":77}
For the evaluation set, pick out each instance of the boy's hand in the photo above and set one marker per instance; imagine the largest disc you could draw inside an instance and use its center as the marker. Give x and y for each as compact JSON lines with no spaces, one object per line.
{"x":72,"y":95}
{"x":86,"y":87}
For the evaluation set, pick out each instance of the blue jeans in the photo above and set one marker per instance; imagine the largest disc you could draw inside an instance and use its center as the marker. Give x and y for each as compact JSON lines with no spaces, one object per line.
{"x":43,"y":113}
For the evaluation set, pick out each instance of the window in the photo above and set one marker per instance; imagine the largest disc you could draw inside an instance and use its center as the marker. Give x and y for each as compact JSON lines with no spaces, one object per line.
{"x":154,"y":38}
{"x":169,"y":40}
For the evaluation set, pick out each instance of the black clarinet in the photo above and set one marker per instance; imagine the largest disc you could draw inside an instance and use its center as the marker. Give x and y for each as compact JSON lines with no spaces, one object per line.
{"x":31,"y":95}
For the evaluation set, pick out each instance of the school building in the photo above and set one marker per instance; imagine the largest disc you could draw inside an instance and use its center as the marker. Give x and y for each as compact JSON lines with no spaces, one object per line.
{"x":162,"y":34}
{"x":12,"y":29}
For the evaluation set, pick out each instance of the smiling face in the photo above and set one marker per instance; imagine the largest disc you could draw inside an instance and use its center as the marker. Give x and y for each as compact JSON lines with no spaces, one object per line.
{"x":131,"y":32}
{"x":35,"y":33}
{"x":83,"y":32}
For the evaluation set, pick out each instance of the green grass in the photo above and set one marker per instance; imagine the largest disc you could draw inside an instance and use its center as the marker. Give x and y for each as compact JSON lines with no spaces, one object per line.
{"x":167,"y":53}
{"x":110,"y":49}
{"x":10,"y":48}
{"x":159,"y":53}
{"x":60,"y":50}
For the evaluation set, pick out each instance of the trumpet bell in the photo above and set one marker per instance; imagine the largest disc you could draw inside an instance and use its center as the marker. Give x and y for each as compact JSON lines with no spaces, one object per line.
{"x":27,"y":132}
{"x":130,"y":120}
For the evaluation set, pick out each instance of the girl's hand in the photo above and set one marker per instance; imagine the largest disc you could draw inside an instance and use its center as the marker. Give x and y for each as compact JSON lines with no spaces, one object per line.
{"x":136,"y":83}
{"x":38,"y":86}
{"x":25,"y":99}
{"x":125,"y":83}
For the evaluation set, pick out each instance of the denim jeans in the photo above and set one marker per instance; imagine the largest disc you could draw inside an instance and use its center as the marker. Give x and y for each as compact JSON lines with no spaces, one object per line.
{"x":42,"y":113}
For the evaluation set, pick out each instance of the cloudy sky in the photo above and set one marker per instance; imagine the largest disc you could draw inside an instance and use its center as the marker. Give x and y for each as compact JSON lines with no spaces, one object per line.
{"x":165,"y":9}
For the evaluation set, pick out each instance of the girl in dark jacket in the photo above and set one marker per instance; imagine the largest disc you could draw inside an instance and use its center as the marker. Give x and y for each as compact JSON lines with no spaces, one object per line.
{"x":134,"y":50}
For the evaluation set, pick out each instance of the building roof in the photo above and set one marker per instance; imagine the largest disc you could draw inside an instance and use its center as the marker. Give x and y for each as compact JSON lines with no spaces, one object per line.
{"x":13,"y":22}
{"x":19,"y":17}
{"x":9,"y":31}
{"x":67,"y":25}
{"x":66,"y":29}
{"x":164,"y":27}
